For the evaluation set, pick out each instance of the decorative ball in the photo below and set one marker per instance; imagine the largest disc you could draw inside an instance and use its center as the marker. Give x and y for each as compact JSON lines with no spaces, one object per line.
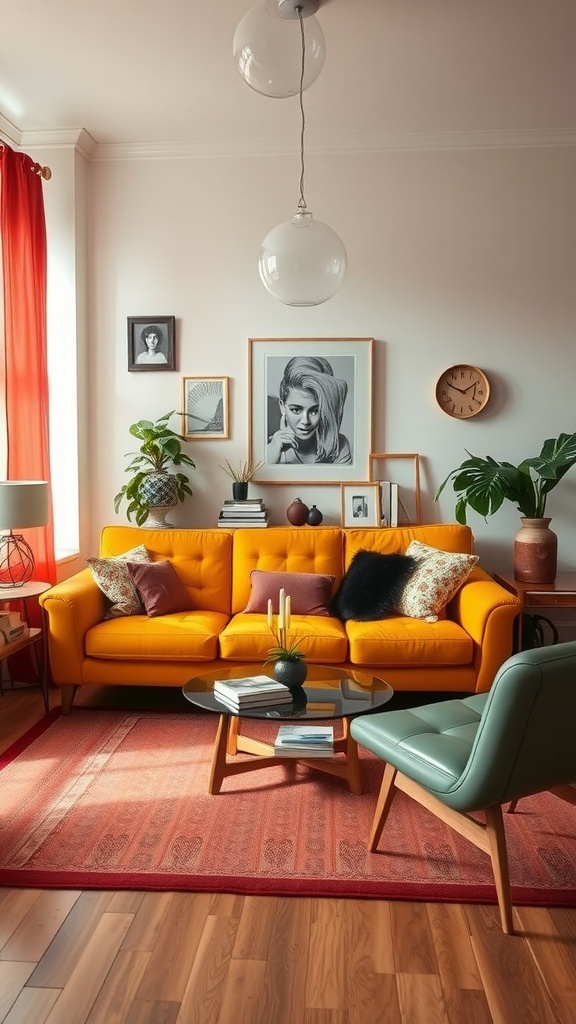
{"x":297,"y":512}
{"x":314,"y":517}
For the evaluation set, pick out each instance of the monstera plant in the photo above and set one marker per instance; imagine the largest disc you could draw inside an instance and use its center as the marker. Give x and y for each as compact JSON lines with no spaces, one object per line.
{"x":151,"y":485}
{"x":483,"y":484}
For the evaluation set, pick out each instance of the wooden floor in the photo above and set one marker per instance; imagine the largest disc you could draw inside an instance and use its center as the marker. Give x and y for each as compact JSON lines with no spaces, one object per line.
{"x":160,"y":958}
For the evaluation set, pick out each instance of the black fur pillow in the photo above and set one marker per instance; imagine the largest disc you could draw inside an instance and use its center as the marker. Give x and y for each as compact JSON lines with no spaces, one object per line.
{"x":372,"y":586}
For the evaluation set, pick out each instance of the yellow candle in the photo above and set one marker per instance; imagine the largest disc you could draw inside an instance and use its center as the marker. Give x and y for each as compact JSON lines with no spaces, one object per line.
{"x":287,"y":610}
{"x":270,"y":621}
{"x":282,"y":609}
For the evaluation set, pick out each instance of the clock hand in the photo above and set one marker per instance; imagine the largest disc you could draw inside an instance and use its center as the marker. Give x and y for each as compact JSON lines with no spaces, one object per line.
{"x":457,"y":389}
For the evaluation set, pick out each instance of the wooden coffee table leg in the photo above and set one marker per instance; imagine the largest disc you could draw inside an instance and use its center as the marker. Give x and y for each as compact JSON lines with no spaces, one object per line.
{"x":352,"y":760}
{"x":218,"y":770}
{"x":233,"y":724}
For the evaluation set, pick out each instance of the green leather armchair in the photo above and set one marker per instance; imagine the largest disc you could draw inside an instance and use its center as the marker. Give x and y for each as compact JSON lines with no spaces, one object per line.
{"x":475,"y":754}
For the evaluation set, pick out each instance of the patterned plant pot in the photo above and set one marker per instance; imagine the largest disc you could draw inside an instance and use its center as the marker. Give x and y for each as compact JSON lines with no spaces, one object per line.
{"x":159,"y":489}
{"x":290,"y":673}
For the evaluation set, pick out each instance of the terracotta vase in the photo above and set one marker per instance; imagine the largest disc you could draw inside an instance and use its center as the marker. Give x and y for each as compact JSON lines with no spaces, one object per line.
{"x":535,"y":552}
{"x":297,"y":512}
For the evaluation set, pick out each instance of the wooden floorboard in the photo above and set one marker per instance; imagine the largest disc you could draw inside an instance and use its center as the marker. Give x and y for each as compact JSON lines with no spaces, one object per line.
{"x":126,"y":957}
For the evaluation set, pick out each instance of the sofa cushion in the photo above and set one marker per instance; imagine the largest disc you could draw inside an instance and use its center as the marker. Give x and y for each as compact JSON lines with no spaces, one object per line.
{"x":400,"y":642}
{"x":309,"y":592}
{"x":247,"y":638}
{"x":114,"y":580}
{"x":435,"y":580}
{"x":160,"y":588}
{"x":182,"y":636}
{"x":372,"y":586}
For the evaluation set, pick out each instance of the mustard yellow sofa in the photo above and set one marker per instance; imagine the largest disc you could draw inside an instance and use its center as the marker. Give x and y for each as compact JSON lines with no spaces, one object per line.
{"x":459,"y":653}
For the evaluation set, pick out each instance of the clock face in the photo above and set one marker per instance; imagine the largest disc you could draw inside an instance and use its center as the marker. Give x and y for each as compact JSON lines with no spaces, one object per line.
{"x":462,"y":391}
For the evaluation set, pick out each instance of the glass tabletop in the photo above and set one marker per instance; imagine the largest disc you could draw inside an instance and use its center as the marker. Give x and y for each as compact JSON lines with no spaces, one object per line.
{"x":328,"y":692}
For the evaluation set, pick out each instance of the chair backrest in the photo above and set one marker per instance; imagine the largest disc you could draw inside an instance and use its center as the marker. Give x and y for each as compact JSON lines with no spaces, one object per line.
{"x":526,"y":737}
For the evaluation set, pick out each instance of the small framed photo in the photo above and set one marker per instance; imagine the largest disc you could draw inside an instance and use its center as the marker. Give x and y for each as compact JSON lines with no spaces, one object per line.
{"x":151,"y":343}
{"x":360,"y":504}
{"x":204,"y":408}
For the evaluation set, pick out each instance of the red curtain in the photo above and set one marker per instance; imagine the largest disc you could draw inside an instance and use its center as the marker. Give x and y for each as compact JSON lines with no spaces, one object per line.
{"x":23,"y":234}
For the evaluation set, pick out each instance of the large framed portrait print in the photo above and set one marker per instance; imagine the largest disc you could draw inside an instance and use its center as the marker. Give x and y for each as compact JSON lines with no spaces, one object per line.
{"x":310,"y":409}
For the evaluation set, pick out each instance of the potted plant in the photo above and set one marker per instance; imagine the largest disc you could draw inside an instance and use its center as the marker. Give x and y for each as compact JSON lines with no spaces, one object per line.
{"x":289,"y":666}
{"x":241,"y":477}
{"x":483,"y":484}
{"x":151,"y":486}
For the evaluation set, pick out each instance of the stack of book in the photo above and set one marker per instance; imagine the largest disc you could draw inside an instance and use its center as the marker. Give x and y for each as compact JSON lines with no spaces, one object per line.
{"x":389,"y":503}
{"x":11,"y":627}
{"x":251,"y":691}
{"x":304,"y":741}
{"x":251,"y":512}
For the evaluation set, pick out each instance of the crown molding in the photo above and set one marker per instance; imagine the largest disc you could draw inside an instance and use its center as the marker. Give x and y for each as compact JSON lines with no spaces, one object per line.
{"x":81,"y":140}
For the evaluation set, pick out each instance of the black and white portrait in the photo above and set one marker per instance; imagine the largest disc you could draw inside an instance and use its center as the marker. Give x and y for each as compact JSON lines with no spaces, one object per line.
{"x":360,"y":504}
{"x":151,"y":343}
{"x":311,"y":408}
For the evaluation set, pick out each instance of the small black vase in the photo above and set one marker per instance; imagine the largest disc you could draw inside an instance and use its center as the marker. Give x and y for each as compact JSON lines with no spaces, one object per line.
{"x":290,"y":673}
{"x":240,"y":490}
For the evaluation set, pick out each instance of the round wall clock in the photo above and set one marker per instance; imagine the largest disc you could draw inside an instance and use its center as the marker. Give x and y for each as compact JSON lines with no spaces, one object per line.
{"x":462,"y":391}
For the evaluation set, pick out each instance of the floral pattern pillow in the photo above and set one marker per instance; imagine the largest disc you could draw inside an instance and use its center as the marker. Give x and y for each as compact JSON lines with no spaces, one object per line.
{"x":434,"y":582}
{"x":114,"y":580}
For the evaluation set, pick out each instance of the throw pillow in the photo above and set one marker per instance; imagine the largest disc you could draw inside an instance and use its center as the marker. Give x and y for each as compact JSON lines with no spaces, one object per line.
{"x":437,"y":577}
{"x":309,"y":591}
{"x":113,"y":578}
{"x":372,"y":586}
{"x":160,"y":588}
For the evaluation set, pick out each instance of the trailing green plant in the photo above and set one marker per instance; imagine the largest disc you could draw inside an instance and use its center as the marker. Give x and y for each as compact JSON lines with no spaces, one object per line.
{"x":244,"y":472}
{"x":161,"y":447}
{"x":483,"y":484}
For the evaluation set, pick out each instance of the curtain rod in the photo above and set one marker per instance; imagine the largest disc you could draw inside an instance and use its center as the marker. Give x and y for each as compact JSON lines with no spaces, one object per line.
{"x":39,"y":169}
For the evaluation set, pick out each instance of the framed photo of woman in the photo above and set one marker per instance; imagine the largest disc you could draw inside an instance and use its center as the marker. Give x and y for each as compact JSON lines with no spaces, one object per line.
{"x":204,"y":408}
{"x":360,"y":504}
{"x":151,"y":343}
{"x":310,"y":409}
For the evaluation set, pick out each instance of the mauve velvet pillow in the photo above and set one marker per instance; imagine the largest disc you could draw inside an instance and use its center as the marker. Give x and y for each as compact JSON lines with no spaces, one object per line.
{"x":309,"y":591}
{"x":160,"y":588}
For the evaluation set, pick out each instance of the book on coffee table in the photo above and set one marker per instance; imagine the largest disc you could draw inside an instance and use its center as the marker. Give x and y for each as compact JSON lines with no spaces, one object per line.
{"x":252,"y":691}
{"x":304,"y":741}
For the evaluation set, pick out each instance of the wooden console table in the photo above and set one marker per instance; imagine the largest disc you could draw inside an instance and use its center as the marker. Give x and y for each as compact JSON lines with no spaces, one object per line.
{"x":560,"y":594}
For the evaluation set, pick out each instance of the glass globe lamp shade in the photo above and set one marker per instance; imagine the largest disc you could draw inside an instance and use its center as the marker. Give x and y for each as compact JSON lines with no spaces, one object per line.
{"x":302,"y":261}
{"x":268,"y":51}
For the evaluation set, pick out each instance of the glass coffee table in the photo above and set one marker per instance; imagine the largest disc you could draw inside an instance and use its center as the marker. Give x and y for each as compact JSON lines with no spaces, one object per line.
{"x":329,"y":693}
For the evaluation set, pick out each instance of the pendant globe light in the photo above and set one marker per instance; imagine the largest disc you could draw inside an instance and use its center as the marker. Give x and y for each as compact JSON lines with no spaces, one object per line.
{"x":262,"y":48}
{"x":302,"y":262}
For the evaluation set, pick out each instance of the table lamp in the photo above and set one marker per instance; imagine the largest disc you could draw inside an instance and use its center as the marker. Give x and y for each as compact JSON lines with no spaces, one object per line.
{"x":23,"y":504}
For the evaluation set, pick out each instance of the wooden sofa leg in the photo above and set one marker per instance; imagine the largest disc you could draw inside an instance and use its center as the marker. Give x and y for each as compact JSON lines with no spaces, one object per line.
{"x":499,"y":857}
{"x":385,"y":798}
{"x":67,"y":694}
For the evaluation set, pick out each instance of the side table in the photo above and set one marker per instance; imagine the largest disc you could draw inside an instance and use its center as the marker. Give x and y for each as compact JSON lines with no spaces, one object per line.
{"x":560,"y":594}
{"x":35,"y":635}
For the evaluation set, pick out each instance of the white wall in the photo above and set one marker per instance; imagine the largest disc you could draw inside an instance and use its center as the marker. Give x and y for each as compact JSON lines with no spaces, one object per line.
{"x":454,"y":255}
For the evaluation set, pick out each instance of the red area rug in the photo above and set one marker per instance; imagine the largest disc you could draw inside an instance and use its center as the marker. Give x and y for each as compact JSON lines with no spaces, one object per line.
{"x":116,"y":800}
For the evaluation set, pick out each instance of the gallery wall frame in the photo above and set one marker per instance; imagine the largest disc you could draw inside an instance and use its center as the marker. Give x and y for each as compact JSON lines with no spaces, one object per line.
{"x":310,"y":418}
{"x":360,"y":504}
{"x":205,"y":408}
{"x":395,"y":466}
{"x":151,"y":343}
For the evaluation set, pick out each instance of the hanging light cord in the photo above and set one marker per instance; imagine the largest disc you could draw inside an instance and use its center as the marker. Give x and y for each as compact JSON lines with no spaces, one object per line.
{"x":302,"y":201}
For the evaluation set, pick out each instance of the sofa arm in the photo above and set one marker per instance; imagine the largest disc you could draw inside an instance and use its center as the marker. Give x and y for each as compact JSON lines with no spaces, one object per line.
{"x":71,"y":609}
{"x":486,"y":611}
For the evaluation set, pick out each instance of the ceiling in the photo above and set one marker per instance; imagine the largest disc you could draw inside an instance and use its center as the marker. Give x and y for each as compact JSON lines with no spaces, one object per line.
{"x":132,"y":72}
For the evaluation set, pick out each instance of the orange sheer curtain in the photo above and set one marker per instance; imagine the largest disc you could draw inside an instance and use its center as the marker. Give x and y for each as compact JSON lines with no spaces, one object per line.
{"x":23,"y":234}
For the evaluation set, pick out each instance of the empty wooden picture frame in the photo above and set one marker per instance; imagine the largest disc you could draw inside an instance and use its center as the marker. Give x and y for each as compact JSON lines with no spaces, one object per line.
{"x":204,"y":408}
{"x":360,"y":504}
{"x":395,"y":467}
